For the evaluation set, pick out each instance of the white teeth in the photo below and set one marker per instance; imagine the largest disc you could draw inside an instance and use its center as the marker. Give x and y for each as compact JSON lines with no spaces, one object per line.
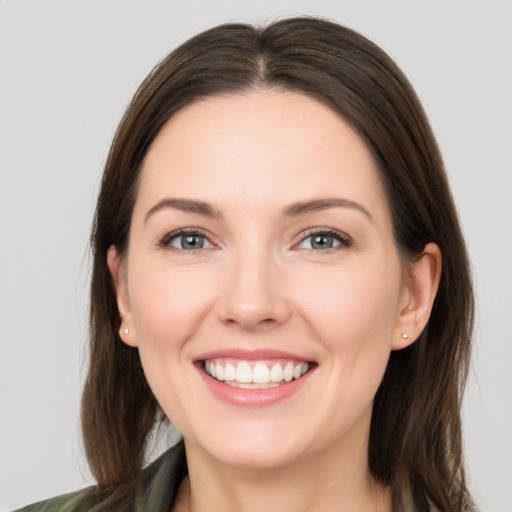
{"x":243,"y":373}
{"x":288,"y":372}
{"x":229,"y":372}
{"x":258,"y":377}
{"x":261,"y":374}
{"x":219,"y":371}
{"x":276,"y":373}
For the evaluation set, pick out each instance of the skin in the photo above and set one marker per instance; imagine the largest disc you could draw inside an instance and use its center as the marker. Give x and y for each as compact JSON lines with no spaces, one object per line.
{"x":259,"y":283}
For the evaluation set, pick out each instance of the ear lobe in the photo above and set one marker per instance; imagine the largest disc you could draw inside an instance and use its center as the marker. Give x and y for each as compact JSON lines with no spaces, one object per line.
{"x":118,"y":272}
{"x":422,"y":285}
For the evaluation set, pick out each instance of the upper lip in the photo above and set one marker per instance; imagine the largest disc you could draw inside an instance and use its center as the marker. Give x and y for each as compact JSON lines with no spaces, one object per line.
{"x":250,"y":355}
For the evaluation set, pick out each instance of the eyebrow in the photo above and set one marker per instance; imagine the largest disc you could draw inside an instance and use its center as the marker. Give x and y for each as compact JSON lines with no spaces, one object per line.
{"x":185,"y":205}
{"x":293,"y":210}
{"x":315,"y":205}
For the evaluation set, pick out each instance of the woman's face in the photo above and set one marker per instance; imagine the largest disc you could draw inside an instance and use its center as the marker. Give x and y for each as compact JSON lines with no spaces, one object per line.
{"x":261,"y":247}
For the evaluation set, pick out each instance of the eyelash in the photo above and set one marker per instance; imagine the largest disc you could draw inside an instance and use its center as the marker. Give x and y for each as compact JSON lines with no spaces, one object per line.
{"x":165,"y":242}
{"x":344,"y":240}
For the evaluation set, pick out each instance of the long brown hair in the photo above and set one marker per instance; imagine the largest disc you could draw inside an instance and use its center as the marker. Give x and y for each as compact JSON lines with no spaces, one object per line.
{"x":415,"y":437}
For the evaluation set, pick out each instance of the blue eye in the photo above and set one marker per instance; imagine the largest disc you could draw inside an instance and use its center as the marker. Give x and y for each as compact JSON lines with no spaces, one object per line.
{"x":189,"y":241}
{"x":323,"y":241}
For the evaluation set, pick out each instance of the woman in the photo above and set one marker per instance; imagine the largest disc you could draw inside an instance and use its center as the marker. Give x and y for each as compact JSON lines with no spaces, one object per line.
{"x":280,"y":273}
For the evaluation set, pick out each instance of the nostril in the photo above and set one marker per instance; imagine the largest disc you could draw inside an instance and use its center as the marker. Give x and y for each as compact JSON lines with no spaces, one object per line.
{"x":250,"y":322}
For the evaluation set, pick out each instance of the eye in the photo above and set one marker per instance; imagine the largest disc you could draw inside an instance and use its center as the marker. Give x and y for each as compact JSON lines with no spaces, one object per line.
{"x":186,"y":241}
{"x":324,"y":240}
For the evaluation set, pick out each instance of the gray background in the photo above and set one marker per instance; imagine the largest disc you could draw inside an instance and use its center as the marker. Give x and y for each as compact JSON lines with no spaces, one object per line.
{"x":67,"y":71}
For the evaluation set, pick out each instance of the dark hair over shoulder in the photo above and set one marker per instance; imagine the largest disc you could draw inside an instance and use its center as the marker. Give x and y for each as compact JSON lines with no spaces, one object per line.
{"x":415,"y":438}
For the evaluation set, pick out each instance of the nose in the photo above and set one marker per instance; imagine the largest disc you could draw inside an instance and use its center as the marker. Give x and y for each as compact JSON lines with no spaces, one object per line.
{"x":253,"y":295}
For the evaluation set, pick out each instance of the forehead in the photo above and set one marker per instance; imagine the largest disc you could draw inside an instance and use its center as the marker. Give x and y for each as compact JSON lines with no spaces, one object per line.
{"x":262,"y":144}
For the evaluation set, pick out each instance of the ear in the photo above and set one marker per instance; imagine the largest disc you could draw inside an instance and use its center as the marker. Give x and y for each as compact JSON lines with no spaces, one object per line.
{"x":416,"y":302}
{"x":117,"y":268}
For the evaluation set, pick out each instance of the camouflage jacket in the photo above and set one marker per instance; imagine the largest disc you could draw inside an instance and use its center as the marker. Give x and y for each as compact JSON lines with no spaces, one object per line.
{"x":154,"y":491}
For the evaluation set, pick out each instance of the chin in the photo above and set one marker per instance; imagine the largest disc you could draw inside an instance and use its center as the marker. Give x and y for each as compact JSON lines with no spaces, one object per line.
{"x":254,"y":448}
{"x":257,"y":457}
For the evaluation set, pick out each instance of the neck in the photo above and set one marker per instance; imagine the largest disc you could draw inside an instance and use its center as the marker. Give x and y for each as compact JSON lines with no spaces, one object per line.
{"x":336,"y":478}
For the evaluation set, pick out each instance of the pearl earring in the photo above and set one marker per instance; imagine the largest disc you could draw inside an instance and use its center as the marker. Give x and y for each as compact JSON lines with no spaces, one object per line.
{"x":405,"y":335}
{"x":126,"y":330}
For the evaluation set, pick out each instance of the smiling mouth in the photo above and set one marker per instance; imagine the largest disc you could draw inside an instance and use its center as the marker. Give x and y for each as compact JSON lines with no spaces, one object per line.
{"x":255,"y":374}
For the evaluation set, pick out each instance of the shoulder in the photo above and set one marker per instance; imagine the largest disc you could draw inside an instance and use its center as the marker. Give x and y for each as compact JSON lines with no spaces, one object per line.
{"x":155,"y":490}
{"x":77,"y":501}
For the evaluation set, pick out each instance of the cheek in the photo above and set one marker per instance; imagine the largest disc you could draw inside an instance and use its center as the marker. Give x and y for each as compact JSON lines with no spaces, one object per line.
{"x":167,"y":308}
{"x":354,"y":318}
{"x":354,"y":302}
{"x":168,"y":305}
{"x":353,"y":313}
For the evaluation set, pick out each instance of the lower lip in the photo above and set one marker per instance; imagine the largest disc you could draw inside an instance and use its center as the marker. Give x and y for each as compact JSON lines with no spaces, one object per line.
{"x":253,"y":397}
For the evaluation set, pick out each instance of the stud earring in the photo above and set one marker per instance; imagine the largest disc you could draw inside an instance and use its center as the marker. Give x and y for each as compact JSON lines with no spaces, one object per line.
{"x":126,"y":330}
{"x":404,"y":335}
